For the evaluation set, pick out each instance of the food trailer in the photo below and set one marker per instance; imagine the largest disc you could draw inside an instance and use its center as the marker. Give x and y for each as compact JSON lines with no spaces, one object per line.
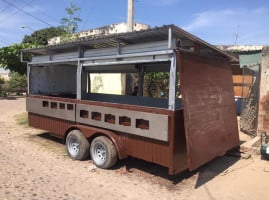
{"x":183,"y":125}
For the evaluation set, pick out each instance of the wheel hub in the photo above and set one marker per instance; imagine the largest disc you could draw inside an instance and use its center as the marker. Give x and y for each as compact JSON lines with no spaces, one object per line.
{"x":73,"y":146}
{"x":100,"y":152}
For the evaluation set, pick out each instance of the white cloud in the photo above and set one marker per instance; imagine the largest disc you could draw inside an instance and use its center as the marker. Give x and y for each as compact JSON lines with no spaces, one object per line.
{"x":163,"y":2}
{"x":249,"y":24}
{"x":209,"y":18}
{"x":33,"y":9}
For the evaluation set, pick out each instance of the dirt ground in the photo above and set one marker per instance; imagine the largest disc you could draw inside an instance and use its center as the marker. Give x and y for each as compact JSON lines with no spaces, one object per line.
{"x":34,"y":165}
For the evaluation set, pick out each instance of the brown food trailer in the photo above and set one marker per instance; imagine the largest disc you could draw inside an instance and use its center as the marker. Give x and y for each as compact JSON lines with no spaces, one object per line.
{"x":187,"y":121}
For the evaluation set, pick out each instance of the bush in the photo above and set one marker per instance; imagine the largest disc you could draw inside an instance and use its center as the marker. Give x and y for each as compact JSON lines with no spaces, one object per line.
{"x":17,"y":83}
{"x":156,"y":84}
{"x":2,"y":90}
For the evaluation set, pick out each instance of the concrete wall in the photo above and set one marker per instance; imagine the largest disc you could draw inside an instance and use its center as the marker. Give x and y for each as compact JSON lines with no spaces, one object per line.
{"x":105,"y":30}
{"x":107,"y":83}
{"x":263,"y":115}
{"x":4,"y":74}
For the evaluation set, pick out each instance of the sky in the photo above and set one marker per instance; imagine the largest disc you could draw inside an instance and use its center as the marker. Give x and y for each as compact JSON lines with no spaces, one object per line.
{"x":219,"y":22}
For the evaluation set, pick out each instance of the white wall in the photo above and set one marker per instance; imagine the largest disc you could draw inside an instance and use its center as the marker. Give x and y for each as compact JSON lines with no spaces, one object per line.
{"x":106,"y":83}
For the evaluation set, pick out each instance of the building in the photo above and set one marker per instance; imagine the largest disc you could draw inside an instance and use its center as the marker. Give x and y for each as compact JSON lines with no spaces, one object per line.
{"x":105,"y":30}
{"x":251,"y":86}
{"x":4,"y":74}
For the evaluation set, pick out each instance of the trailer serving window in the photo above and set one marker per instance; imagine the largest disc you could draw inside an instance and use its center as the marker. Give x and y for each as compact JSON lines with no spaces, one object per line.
{"x":137,"y":84}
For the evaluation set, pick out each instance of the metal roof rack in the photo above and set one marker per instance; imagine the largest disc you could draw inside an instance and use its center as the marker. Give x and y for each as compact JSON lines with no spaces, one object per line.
{"x":186,"y":41}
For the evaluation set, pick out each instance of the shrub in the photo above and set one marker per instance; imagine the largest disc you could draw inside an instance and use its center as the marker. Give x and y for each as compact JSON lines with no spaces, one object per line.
{"x":17,"y":83}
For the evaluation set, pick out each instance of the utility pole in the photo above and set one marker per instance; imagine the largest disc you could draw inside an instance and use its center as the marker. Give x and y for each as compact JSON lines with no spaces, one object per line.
{"x":130,"y":22}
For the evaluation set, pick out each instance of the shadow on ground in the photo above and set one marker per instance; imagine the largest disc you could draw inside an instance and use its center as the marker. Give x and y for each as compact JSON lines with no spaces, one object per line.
{"x":12,"y":97}
{"x":212,"y":169}
{"x":50,"y":137}
{"x":9,"y":98}
{"x":146,"y":169}
{"x":205,"y":173}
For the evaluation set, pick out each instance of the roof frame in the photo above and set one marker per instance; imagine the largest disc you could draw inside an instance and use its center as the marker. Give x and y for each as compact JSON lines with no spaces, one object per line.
{"x":155,"y":34}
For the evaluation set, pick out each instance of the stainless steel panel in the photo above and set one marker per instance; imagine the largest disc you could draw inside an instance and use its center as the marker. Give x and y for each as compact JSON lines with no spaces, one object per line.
{"x":145,"y":47}
{"x":158,"y":124}
{"x":145,"y":57}
{"x":66,"y":55}
{"x":40,"y":58}
{"x":79,"y":70}
{"x":36,"y":106}
{"x":172,"y":85}
{"x":100,"y":52}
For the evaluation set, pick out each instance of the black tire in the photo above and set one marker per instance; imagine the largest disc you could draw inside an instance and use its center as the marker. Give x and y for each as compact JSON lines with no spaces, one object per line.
{"x":103,"y":152}
{"x":77,"y":145}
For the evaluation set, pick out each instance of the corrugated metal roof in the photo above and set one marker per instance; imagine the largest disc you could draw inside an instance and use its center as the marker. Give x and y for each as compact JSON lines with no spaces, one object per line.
{"x":155,"y":34}
{"x":106,"y":41}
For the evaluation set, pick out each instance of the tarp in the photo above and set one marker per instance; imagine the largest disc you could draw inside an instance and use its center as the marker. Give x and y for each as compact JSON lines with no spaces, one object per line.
{"x":250,"y":59}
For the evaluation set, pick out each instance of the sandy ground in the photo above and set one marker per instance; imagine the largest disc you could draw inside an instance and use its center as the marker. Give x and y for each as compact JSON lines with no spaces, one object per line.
{"x":34,"y":165}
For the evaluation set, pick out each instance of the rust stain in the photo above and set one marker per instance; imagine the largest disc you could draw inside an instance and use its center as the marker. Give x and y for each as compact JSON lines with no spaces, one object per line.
{"x":209,"y":111}
{"x":265,"y":102}
{"x":264,"y":108}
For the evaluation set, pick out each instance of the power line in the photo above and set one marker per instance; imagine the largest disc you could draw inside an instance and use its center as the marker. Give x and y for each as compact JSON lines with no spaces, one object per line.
{"x":14,"y":13}
{"x":29,"y":14}
{"x":3,"y":41}
{"x":42,"y":12}
{"x":6,"y":7}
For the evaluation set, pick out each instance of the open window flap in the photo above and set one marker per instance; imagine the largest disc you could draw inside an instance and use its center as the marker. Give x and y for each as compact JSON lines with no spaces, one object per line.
{"x":209,"y":107}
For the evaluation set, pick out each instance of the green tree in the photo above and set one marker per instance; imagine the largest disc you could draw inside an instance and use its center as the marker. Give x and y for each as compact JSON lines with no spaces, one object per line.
{"x":70,"y":23}
{"x":40,"y":37}
{"x":10,"y":58}
{"x":17,"y":82}
{"x":2,"y":81}
{"x":156,"y":84}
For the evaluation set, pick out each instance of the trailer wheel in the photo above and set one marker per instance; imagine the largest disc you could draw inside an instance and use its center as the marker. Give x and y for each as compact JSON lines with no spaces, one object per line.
{"x":103,"y":152}
{"x":77,"y":145}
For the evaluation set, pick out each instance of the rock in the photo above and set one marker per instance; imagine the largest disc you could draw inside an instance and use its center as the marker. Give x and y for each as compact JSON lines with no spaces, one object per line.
{"x":92,"y":168}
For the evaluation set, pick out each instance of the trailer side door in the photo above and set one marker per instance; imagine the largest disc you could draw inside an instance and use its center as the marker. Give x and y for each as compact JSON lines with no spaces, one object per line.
{"x":209,"y":107}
